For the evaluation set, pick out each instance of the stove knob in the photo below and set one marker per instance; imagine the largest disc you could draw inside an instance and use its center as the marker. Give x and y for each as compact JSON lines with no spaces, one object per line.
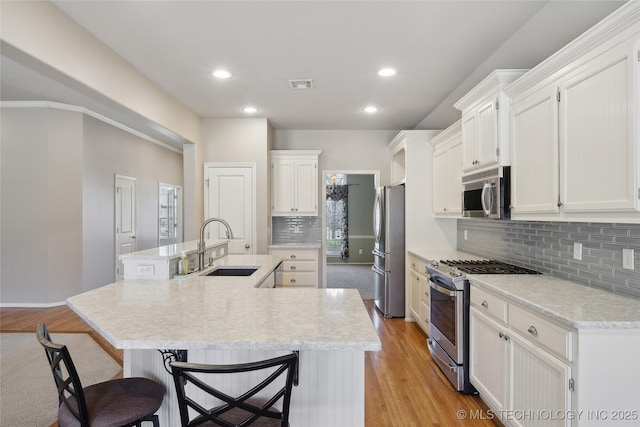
{"x":435,"y":264}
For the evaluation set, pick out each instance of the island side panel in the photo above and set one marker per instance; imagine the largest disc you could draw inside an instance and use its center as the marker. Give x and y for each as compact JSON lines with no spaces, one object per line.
{"x":330,"y":390}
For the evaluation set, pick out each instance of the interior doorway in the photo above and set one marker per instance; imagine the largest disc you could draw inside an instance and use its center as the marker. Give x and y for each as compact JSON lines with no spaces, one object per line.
{"x":347,"y":220}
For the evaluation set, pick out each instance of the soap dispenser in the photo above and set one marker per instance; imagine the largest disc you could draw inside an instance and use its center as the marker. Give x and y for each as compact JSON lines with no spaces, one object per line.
{"x":183,"y":264}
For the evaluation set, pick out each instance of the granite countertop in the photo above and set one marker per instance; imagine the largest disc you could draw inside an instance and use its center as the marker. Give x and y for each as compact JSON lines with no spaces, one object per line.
{"x":568,"y":303}
{"x":171,"y":251}
{"x":200,"y":312}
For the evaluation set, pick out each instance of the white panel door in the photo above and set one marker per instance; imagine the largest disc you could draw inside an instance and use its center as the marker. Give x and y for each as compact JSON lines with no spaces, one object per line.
{"x":230,"y":196}
{"x":125,"y":216}
{"x":598,"y":150}
{"x":534,"y":153}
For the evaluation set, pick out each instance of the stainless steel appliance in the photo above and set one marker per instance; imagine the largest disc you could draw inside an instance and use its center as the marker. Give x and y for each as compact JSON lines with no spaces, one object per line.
{"x":487,"y":194}
{"x":449,"y":314}
{"x":388,"y":251}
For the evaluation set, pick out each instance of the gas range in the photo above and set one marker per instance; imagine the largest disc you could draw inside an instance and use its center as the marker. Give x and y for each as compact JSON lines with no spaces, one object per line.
{"x":456,"y":270}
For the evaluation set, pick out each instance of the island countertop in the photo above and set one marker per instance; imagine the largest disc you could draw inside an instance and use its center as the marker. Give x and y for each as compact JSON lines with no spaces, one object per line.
{"x":202,"y":312}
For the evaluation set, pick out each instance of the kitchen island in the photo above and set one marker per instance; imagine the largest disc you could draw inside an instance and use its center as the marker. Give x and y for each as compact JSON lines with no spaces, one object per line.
{"x":229,"y":319}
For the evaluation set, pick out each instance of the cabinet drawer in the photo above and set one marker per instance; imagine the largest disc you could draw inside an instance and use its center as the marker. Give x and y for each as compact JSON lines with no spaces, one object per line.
{"x":417,"y":264}
{"x":489,"y":303}
{"x":424,"y":291}
{"x":295,"y":266}
{"x":541,"y":331}
{"x":299,"y":279}
{"x":297,"y":255}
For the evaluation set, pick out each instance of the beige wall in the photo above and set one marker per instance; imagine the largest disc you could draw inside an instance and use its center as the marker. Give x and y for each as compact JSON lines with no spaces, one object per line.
{"x":243,"y":141}
{"x":342,"y":149}
{"x":57,"y":201}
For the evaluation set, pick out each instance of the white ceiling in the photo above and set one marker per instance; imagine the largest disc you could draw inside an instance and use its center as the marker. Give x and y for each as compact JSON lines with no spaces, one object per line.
{"x":440,"y":48}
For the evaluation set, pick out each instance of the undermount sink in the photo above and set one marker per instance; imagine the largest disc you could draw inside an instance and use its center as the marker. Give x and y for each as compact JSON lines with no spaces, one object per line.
{"x":227,"y":270}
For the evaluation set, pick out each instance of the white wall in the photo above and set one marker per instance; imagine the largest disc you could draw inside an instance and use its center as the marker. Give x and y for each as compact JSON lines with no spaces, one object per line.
{"x":57,"y":209}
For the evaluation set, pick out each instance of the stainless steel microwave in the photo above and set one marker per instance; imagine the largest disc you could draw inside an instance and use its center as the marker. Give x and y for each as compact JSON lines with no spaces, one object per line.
{"x":487,"y":194}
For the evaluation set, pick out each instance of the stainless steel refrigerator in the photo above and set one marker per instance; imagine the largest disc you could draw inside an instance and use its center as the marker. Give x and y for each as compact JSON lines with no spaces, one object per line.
{"x":388,"y":251}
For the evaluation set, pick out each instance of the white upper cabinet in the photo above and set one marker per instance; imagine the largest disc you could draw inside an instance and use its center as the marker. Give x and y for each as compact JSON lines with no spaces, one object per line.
{"x":534,"y":153}
{"x":447,"y":172}
{"x":575,"y":128}
{"x":294,"y":182}
{"x":485,"y":122}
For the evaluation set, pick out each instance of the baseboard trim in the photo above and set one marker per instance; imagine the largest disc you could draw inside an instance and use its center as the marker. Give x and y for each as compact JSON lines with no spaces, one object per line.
{"x":31,"y":305}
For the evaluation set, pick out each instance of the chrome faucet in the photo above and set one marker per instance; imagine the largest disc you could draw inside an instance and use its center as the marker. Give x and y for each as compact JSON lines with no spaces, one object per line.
{"x":201,"y":242}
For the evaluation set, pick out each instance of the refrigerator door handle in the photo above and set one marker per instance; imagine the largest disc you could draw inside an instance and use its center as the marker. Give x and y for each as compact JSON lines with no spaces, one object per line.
{"x":378,"y":253}
{"x":377,"y":270}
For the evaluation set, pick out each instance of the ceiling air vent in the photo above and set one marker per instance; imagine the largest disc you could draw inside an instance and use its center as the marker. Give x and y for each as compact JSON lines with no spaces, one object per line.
{"x":301,"y":84}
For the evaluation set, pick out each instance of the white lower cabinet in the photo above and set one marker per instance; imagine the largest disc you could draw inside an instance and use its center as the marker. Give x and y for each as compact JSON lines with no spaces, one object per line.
{"x":418,"y":291}
{"x":299,"y":267}
{"x":488,"y":356}
{"x":517,"y":375}
{"x":539,"y":386}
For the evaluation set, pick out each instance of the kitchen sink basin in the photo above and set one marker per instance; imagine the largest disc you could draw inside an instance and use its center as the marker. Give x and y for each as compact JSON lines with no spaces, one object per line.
{"x":225,"y":270}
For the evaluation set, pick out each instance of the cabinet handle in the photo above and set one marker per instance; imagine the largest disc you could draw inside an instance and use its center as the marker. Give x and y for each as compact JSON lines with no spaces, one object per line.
{"x":293,"y":267}
{"x":501,"y":335}
{"x":485,"y":304}
{"x":293,"y":257}
{"x":413,"y":264}
{"x":293,"y":280}
{"x":533,"y":331}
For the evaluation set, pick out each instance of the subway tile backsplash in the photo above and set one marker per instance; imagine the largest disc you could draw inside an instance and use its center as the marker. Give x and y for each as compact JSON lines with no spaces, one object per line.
{"x":296,"y":229}
{"x":548,"y":248}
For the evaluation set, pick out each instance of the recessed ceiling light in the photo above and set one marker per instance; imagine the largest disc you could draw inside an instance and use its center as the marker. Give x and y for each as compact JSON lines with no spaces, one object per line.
{"x":221,"y":74}
{"x":370,"y":109}
{"x":250,"y":110}
{"x":387,"y":72}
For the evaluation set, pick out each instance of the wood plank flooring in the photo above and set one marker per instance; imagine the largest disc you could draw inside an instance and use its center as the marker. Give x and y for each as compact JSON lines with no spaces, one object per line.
{"x":403,"y":386}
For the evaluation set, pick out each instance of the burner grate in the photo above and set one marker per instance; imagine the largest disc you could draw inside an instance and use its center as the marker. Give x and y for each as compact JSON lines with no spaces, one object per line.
{"x":486,"y":267}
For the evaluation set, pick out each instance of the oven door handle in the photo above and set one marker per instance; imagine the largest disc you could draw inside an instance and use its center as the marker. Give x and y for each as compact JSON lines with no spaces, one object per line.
{"x":441,"y":289}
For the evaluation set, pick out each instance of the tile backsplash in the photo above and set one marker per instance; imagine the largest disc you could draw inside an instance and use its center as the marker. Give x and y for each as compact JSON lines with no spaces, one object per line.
{"x":296,"y":229}
{"x":548,"y":248}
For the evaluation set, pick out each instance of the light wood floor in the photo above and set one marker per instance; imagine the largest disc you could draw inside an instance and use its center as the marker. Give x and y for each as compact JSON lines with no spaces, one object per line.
{"x":403,"y":386}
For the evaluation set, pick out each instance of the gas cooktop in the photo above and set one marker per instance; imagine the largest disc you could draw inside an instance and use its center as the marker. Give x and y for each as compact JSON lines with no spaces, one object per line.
{"x":486,"y":267}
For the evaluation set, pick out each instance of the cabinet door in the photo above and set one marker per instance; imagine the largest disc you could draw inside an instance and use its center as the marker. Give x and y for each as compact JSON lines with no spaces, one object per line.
{"x":440,"y":181}
{"x":487,"y":134}
{"x":454,"y":171}
{"x":414,"y":296}
{"x":306,"y":187}
{"x":539,"y":385}
{"x":282,"y":178}
{"x":470,"y":141}
{"x":598,"y":148}
{"x":534,"y":153}
{"x":488,"y":358}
